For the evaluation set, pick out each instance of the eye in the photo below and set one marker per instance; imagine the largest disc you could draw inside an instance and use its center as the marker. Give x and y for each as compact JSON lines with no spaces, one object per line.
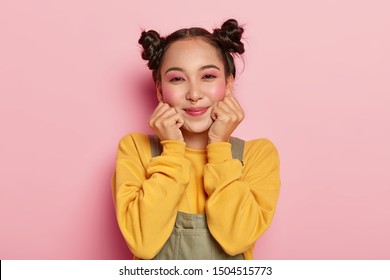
{"x":209,"y":76}
{"x":176,"y":79}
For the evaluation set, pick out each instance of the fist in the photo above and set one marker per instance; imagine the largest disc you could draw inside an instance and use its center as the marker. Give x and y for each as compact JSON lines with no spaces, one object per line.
{"x":226,"y":115}
{"x":166,"y":122}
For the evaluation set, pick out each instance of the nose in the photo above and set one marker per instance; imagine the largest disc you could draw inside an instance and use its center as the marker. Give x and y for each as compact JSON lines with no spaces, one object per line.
{"x":194,"y":93}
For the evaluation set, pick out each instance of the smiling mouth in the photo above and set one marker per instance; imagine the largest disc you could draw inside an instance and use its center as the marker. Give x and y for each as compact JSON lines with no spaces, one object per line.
{"x":196,"y":111}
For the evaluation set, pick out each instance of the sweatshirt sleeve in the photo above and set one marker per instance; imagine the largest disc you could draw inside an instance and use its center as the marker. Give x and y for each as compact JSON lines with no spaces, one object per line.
{"x":147,"y":193}
{"x":242,"y":197}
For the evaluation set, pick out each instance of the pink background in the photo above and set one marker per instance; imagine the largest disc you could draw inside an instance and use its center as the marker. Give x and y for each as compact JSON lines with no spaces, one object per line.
{"x":315,"y":82}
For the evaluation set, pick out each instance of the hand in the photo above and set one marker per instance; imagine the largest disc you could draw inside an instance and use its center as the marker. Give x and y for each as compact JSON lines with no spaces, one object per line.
{"x":166,"y":122}
{"x":226,"y":115}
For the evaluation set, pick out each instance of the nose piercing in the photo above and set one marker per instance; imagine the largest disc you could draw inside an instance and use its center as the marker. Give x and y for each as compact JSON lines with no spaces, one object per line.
{"x":194,"y":102}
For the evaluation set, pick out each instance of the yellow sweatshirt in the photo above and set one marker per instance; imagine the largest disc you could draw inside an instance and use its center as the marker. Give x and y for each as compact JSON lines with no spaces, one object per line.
{"x":238,"y":199}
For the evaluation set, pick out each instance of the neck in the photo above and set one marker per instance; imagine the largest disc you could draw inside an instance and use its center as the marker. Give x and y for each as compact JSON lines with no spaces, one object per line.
{"x":197,"y":141}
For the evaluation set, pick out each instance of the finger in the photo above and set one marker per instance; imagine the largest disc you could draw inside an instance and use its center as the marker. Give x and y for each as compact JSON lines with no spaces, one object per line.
{"x":228,"y":100}
{"x":229,"y":91}
{"x":213,"y":110}
{"x":156,"y":116}
{"x":232,"y":102}
{"x":179,"y":121}
{"x":171,"y":121}
{"x":160,"y":110}
{"x":230,"y":112}
{"x":220,"y":111}
{"x":226,"y":106}
{"x":235,"y":101}
{"x":214,"y":113}
{"x":157,"y":109}
{"x":159,"y":105}
{"x":165,"y":115}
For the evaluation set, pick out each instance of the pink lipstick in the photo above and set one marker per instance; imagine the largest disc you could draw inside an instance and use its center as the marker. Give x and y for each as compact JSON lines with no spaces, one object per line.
{"x":198,"y":111}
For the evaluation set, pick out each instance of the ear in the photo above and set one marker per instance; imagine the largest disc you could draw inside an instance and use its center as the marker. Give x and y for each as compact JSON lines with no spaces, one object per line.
{"x":159,"y":92}
{"x":229,"y":85}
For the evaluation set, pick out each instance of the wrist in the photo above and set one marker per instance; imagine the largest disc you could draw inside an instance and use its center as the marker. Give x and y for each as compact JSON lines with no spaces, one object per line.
{"x":215,"y":139}
{"x":173,"y":147}
{"x":219,"y":152}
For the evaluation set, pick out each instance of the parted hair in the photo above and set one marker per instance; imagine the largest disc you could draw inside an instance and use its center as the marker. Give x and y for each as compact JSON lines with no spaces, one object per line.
{"x":226,"y":39}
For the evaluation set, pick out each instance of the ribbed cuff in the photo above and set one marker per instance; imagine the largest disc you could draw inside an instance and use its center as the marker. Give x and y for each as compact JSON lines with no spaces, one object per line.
{"x":219,"y":152}
{"x":173,"y":148}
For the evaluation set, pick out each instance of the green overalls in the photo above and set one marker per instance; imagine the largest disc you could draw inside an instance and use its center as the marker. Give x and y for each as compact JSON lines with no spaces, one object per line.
{"x":191,"y":238}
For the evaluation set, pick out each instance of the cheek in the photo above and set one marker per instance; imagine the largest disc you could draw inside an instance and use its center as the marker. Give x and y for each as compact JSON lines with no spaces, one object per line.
{"x":170,"y":95}
{"x":217,"y":91}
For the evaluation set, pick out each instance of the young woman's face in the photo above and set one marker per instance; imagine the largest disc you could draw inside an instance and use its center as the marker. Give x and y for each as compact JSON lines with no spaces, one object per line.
{"x":193,"y":81}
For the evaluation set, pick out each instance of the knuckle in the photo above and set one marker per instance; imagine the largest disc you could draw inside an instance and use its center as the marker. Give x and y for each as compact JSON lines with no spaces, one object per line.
{"x":157,"y":124}
{"x":165,"y":123}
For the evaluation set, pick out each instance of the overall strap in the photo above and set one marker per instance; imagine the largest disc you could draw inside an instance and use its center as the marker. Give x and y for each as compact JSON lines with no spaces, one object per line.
{"x":237,"y":147}
{"x":155,"y":145}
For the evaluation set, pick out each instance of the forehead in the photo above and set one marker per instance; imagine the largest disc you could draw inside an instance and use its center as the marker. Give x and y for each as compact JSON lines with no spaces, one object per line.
{"x":192,"y":52}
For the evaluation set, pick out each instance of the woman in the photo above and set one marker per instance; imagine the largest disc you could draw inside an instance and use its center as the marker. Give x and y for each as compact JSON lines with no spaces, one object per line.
{"x":193,"y":199}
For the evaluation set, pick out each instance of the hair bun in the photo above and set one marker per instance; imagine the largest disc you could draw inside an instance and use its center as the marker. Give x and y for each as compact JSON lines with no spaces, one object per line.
{"x":152,"y":45}
{"x":229,"y":36}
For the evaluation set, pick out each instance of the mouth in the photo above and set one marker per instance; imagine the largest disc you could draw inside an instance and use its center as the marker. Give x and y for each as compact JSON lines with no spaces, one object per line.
{"x":196,"y":111}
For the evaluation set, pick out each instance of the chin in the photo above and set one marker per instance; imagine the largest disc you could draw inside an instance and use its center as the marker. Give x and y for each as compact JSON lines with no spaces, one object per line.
{"x":198,"y":127}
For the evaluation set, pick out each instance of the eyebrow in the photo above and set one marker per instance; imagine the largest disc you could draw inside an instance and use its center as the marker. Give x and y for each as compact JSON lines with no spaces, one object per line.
{"x":174,"y":69}
{"x":209,"y":66}
{"x":200,"y":69}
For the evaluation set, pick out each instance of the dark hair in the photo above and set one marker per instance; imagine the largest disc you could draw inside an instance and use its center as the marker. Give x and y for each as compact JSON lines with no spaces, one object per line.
{"x":226,"y":40}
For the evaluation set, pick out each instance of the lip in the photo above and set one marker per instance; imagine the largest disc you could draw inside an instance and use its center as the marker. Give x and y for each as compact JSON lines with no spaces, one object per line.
{"x":196,"y":111}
